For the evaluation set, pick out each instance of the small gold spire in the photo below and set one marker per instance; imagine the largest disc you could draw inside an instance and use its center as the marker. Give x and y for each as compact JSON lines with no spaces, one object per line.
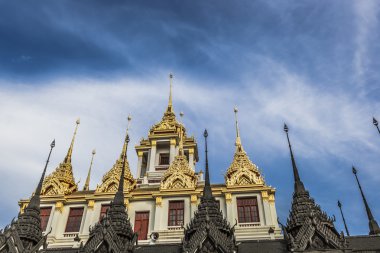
{"x":180,"y":135}
{"x":87,"y":184}
{"x":70,"y":151}
{"x":170,"y":105}
{"x":123,"y":152}
{"x":238,"y":140}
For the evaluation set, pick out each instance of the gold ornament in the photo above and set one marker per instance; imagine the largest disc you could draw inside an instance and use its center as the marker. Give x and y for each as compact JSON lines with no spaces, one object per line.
{"x":179,"y":175}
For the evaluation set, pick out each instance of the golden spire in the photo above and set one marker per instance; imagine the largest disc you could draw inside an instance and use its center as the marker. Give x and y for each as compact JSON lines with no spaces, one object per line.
{"x":170,"y":105}
{"x":70,"y":151}
{"x":180,"y":136}
{"x":111,"y":180}
{"x":238,"y":140}
{"x":124,"y":151}
{"x":87,"y":184}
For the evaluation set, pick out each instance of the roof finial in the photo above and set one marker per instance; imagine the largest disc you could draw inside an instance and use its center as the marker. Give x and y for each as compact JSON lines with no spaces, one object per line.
{"x":70,"y":151}
{"x":376,"y":123}
{"x":344,"y":220}
{"x":298,"y":185}
{"x":238,"y":144}
{"x":119,"y":196}
{"x":87,"y":184}
{"x":207,"y":193}
{"x":170,"y":105}
{"x":180,"y":135}
{"x":373,"y":226}
{"x":35,"y":200}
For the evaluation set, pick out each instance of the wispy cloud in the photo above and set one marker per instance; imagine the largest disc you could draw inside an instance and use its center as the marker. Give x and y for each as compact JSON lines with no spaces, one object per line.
{"x":330,"y":131}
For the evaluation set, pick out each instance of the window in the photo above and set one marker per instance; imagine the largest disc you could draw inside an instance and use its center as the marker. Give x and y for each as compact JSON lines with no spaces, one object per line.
{"x":74,"y":220}
{"x":141,"y":224}
{"x":247,"y":210}
{"x":45,"y":215}
{"x":164,"y":159}
{"x":103,"y":210}
{"x":176,"y":211}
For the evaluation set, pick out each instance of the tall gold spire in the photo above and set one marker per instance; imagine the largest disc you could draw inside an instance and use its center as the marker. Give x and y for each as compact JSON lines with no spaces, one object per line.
{"x":170,"y":104}
{"x":70,"y":151}
{"x":110,"y":181}
{"x":87,"y":184}
{"x":239,"y":146}
{"x":242,"y":171}
{"x":61,"y":181}
{"x":181,"y":135}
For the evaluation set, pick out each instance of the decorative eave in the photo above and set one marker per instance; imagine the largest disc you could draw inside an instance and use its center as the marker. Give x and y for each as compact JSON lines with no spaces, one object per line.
{"x":179,"y":175}
{"x":60,"y":182}
{"x":111,"y":179}
{"x":243,"y":171}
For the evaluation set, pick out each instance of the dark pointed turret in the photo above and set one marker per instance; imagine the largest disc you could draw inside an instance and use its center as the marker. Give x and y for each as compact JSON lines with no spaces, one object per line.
{"x":208,"y":231}
{"x":376,"y":123}
{"x":298,"y":185}
{"x":207,"y":193}
{"x":114,"y":233}
{"x":373,"y":226}
{"x":344,"y":220}
{"x":29,"y":222}
{"x":308,"y":227}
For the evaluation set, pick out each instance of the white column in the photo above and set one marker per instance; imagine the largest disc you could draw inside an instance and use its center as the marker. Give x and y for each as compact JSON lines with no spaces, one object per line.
{"x":139,"y":163}
{"x":152,"y":159}
{"x":158,"y":214}
{"x":191,"y":158}
{"x":193,"y":205}
{"x":229,"y":208}
{"x":172,"y":150}
{"x":266,"y":208}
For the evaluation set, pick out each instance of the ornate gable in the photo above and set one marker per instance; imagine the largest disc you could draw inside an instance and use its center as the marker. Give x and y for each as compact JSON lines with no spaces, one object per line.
{"x":179,"y":175}
{"x":61,"y":181}
{"x":242,"y":171}
{"x":111,"y":179}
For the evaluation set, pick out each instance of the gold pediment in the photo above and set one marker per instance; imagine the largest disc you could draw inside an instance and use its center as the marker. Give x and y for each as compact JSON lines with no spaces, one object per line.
{"x":110,"y":181}
{"x":179,"y":175}
{"x":60,"y":182}
{"x":242,"y":171}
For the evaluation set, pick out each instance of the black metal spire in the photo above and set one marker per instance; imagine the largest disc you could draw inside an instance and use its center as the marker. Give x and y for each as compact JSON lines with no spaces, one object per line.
{"x":376,"y":123}
{"x":344,"y":220}
{"x":207,"y":193}
{"x":35,"y":200}
{"x":119,"y":196}
{"x":298,"y":185}
{"x":373,"y":226}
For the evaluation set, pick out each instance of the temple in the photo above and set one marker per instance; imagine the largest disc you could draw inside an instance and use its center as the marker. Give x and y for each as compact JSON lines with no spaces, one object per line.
{"x":171,"y":205}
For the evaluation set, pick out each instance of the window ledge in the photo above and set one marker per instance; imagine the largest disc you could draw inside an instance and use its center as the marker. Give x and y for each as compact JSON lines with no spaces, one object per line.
{"x":250,"y":224}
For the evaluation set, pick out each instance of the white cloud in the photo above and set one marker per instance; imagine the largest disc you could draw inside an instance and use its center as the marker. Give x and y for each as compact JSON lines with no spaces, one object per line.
{"x":324,"y":126}
{"x":366,"y":18}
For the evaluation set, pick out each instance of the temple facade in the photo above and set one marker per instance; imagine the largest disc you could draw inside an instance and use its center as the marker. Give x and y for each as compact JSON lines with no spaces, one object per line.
{"x":164,"y":196}
{"x":171,"y":205}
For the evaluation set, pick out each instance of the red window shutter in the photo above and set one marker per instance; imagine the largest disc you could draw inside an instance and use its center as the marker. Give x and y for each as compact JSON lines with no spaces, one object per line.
{"x":142,"y":224}
{"x":45,"y":215}
{"x":75,"y":219}
{"x":248,"y":210}
{"x":176,"y":213}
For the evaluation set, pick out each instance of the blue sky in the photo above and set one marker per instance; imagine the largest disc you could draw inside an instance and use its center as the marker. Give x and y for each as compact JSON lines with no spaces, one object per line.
{"x":312,"y":64}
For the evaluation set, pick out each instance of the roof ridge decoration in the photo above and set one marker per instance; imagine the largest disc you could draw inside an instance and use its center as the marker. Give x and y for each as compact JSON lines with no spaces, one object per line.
{"x":114,"y":232}
{"x":179,"y":175}
{"x":242,"y":170}
{"x":61,"y":181}
{"x":25,"y":233}
{"x":208,"y":231}
{"x":308,"y":227}
{"x":86,"y":186}
{"x":168,"y":122}
{"x":110,"y":180}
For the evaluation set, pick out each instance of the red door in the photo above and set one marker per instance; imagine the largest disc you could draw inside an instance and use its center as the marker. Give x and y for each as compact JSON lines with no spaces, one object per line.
{"x":141,"y":224}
